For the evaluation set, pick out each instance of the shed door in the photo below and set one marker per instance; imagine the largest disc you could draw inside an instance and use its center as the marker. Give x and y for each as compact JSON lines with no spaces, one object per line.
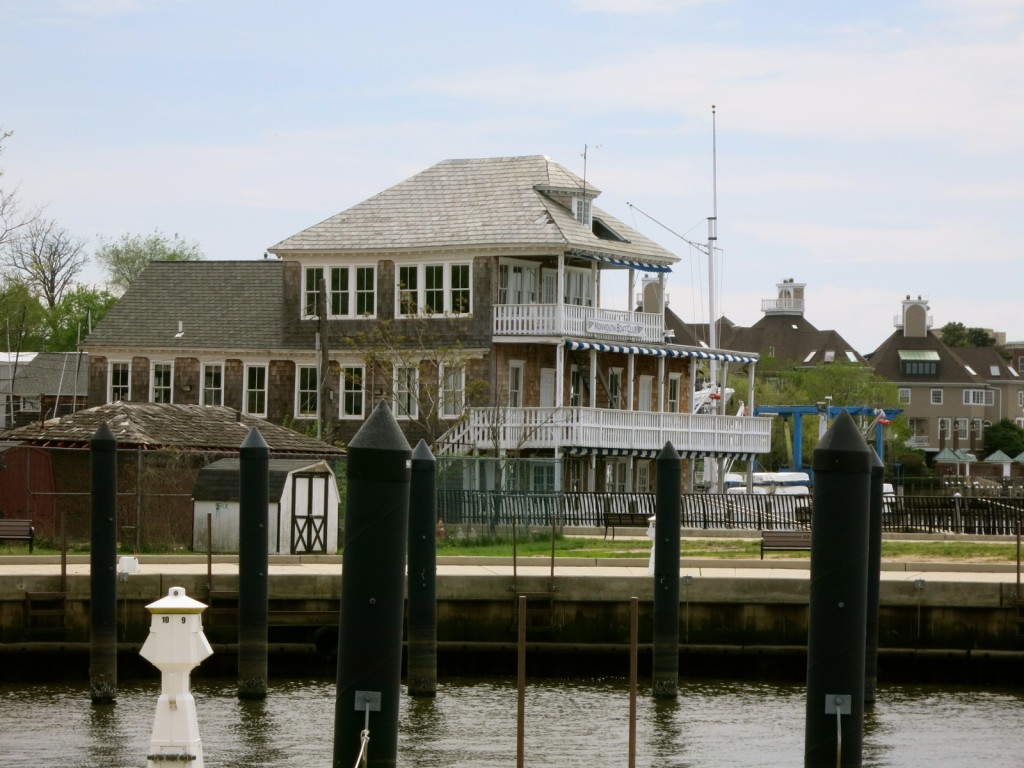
{"x":309,"y":513}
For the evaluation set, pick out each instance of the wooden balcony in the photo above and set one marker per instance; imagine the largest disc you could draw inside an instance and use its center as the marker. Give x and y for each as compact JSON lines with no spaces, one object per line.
{"x":579,"y":322}
{"x":599,"y":429}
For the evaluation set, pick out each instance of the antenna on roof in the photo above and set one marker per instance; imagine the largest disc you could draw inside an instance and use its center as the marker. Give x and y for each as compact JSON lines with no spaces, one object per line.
{"x":587,"y":147}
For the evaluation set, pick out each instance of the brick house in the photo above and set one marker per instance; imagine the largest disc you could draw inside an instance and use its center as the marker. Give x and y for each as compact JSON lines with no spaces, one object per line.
{"x":468,"y":297}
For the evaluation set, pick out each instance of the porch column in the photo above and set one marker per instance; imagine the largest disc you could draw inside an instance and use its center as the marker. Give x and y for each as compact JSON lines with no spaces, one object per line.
{"x":560,"y":293}
{"x":593,"y":378}
{"x":559,"y":375}
{"x":661,"y":385}
{"x":630,"y":376}
{"x":693,"y":385}
{"x":630,"y":305}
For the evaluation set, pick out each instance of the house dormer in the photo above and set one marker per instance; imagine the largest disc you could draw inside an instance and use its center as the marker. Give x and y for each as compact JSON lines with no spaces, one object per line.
{"x":790,"y":299}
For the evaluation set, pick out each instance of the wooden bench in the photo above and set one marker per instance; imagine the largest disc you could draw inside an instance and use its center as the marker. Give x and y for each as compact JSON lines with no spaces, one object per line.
{"x":625,"y":520}
{"x":18,"y":530}
{"x":785,"y":541}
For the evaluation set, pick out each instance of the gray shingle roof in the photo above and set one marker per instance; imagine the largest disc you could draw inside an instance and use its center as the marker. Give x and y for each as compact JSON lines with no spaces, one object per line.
{"x":156,"y":425}
{"x":219,"y":481}
{"x":212,"y":300}
{"x":473,"y":204}
{"x":52,"y":373}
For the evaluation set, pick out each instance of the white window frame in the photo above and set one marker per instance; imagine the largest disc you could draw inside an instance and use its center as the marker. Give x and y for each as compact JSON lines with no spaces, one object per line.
{"x":304,"y":392}
{"x":936,"y":396}
{"x":643,"y":476}
{"x":518,"y":282}
{"x":516,"y":383}
{"x":579,"y":287}
{"x":675,"y":382}
{"x":1020,"y":397}
{"x":903,"y":395}
{"x":406,"y":391}
{"x":126,"y":366}
{"x":246,"y":390}
{"x":582,"y":210}
{"x":615,"y":388}
{"x":984,"y":397}
{"x":353,"y":392}
{"x":358,"y":297}
{"x":945,"y":427}
{"x":417,"y":295}
{"x":30,"y":404}
{"x":575,"y":387}
{"x":616,"y":475}
{"x":979,"y":428}
{"x":168,"y":387}
{"x":963,"y":429}
{"x":453,"y":390}
{"x":219,"y":389}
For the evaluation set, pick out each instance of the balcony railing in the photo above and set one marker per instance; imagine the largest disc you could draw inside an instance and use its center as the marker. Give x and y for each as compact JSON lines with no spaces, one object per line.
{"x":782,"y":306}
{"x":580,"y":322}
{"x":513,"y":429}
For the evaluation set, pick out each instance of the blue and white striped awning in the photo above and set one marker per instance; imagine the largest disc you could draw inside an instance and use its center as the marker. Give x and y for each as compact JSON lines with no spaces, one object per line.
{"x":639,"y":453}
{"x":700,"y":354}
{"x":643,"y":266}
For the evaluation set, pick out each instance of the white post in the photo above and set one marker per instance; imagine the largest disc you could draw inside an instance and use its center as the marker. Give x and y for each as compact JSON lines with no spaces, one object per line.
{"x":176,"y":645}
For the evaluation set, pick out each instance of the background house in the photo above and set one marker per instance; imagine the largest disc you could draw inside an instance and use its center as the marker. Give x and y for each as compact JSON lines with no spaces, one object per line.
{"x":41,"y":385}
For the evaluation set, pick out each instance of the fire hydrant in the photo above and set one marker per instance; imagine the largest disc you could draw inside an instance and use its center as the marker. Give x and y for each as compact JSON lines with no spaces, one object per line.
{"x":176,"y":645}
{"x":440,"y":527}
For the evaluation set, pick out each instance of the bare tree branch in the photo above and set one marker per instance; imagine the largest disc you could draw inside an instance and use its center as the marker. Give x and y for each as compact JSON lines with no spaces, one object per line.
{"x":47,"y":258}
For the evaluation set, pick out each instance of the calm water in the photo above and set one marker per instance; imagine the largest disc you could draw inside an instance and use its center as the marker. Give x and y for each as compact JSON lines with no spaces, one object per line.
{"x":472,"y":723}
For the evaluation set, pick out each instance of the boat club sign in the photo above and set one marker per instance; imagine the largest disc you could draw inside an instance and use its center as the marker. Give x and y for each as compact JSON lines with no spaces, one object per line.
{"x":613,"y":327}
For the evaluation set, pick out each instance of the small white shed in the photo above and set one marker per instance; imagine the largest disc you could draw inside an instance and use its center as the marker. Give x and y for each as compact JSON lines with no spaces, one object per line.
{"x":302,"y":516}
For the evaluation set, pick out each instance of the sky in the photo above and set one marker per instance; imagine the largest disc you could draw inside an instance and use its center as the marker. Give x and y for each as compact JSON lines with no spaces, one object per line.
{"x":870,"y":150}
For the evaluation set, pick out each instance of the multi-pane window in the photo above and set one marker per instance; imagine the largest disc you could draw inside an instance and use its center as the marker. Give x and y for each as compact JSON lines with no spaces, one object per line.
{"x":542,"y":477}
{"x":453,"y":390}
{"x":673,"y":393}
{"x":307,"y":385}
{"x":311,"y":291}
{"x":213,"y":384}
{"x":434,"y":289}
{"x":615,"y":388}
{"x":161,"y":380}
{"x":944,"y":425}
{"x":581,"y":210}
{"x":1020,"y":398}
{"x":517,"y":283}
{"x":979,"y":397}
{"x":616,"y":475}
{"x":579,"y":287}
{"x":575,"y":387}
{"x":643,"y":476}
{"x":406,"y":392}
{"x":903,"y":395}
{"x":515,"y":384}
{"x":408,"y":289}
{"x":936,"y":396}
{"x":120,"y":381}
{"x":979,"y":428}
{"x":256,"y":390}
{"x":963,"y":428}
{"x":352,"y":392}
{"x":350,"y":291}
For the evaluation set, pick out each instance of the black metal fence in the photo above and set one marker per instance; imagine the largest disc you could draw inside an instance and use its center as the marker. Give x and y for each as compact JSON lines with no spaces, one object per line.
{"x":711,"y":511}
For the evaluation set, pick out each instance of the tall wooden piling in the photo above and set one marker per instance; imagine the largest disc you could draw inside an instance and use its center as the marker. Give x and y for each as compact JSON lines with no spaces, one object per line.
{"x":838,"y":598}
{"x":253,"y":561}
{"x":372,"y":594}
{"x":668,"y":497}
{"x":421,"y":676}
{"x":875,"y":508}
{"x":102,"y":568}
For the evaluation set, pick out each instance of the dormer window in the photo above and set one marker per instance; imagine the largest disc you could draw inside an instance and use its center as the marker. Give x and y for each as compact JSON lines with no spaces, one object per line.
{"x":581,"y":210}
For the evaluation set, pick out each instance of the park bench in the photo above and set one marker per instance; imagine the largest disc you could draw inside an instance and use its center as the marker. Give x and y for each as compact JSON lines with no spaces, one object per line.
{"x":18,"y":530}
{"x":624,"y":520}
{"x":785,"y":541}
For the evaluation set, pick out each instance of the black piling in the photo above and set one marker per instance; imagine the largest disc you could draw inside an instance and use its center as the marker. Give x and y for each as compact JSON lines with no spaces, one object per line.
{"x":665,"y":649}
{"x":875,"y":509}
{"x":102,"y":570}
{"x":421,"y":674}
{"x":837,"y":622}
{"x":253,"y":543}
{"x":372,"y":593}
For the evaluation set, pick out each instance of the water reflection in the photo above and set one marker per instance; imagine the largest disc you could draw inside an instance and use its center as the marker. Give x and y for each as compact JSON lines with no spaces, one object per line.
{"x":473,"y":722}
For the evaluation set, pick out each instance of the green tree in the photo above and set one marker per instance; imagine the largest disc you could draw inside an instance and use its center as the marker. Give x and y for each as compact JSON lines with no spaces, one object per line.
{"x":70,"y":321}
{"x":1004,"y":436}
{"x":125,"y":258}
{"x":22,"y":318}
{"x":958,"y":335}
{"x":13,"y":218}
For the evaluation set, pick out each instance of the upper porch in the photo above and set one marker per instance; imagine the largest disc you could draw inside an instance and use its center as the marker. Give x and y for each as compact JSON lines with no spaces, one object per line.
{"x":586,"y":322}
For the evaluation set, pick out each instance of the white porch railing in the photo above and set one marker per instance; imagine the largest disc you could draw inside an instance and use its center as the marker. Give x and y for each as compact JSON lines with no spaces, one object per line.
{"x":581,"y":322}
{"x":511,"y":429}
